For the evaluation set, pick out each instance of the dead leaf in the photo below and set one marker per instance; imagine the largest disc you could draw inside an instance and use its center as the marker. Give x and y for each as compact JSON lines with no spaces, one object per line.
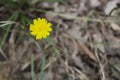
{"x":95,"y":3}
{"x":115,"y":27}
{"x":110,"y":6}
{"x":87,"y":51}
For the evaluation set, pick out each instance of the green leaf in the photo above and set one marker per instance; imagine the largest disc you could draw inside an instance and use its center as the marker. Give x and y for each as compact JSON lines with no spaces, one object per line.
{"x":25,"y":21}
{"x":49,"y":40}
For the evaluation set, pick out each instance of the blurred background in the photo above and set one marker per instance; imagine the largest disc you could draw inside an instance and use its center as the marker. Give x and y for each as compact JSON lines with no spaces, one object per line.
{"x":84,"y":43}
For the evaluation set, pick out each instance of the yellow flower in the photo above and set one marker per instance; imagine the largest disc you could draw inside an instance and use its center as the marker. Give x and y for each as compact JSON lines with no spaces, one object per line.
{"x":40,"y":28}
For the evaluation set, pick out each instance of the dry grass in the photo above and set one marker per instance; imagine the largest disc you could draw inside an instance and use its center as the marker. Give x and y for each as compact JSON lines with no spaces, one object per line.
{"x":84,"y":44}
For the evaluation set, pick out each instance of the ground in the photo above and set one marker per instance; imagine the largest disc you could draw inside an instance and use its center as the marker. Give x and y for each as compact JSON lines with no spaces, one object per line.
{"x":84,"y":43}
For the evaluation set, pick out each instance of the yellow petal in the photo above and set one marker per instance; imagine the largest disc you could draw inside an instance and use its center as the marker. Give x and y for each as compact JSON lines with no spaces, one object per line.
{"x":33,"y":33}
{"x":31,"y":27}
{"x":40,"y":28}
{"x":35,"y":21}
{"x":38,"y":37}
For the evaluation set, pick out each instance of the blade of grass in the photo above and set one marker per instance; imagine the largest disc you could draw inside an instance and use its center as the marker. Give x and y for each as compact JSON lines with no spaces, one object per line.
{"x":32,"y":67}
{"x":43,"y":61}
{"x":12,"y":18}
{"x":7,"y":22}
{"x":69,"y":15}
{"x":42,"y":68}
{"x":4,"y":23}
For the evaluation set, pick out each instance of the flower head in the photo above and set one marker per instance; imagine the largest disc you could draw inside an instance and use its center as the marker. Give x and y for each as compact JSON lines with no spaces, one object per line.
{"x":40,"y":28}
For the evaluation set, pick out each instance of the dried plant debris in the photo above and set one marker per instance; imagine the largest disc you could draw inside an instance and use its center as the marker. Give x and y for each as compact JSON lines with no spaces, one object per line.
{"x":84,"y":44}
{"x":111,"y":7}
